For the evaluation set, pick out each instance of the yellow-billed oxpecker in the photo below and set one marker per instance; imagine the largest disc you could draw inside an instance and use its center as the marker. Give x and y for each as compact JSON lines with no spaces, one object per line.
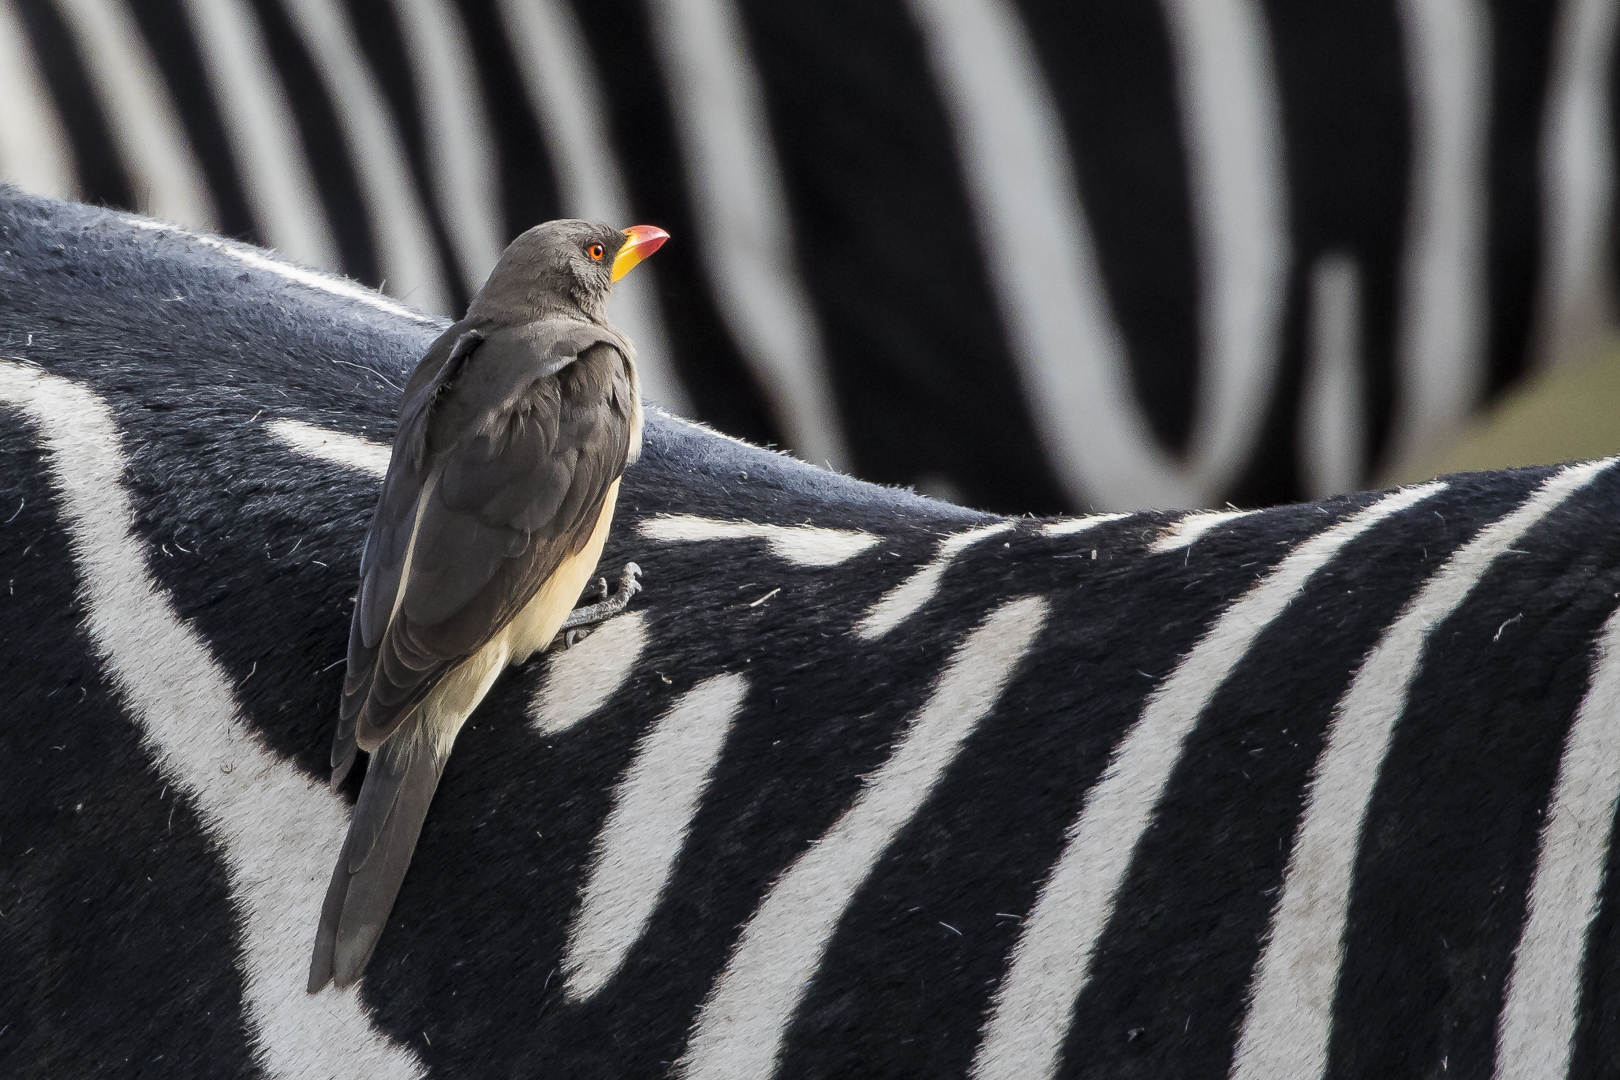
{"x":513,"y":433}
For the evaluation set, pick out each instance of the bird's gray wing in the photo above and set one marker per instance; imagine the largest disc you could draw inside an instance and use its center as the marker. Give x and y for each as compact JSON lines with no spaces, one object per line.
{"x":380,"y":562}
{"x":498,"y":473}
{"x":518,"y":452}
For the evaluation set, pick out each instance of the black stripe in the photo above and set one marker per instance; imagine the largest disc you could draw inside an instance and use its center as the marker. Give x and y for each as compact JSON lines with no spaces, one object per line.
{"x":168,"y":32}
{"x":325,"y":149}
{"x":1345,"y":135}
{"x":722,"y":388}
{"x":922,"y":374}
{"x":1520,"y":51}
{"x":1113,"y":79}
{"x":120,"y":943}
{"x":102,"y":178}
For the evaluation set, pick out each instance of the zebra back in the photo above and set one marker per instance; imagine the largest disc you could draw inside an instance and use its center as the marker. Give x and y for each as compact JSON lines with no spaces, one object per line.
{"x":864,"y":783}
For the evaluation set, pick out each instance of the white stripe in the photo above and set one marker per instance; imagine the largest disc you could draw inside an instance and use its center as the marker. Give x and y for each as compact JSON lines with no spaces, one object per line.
{"x":653,"y":806}
{"x":1535,"y":1036}
{"x":277,"y":830}
{"x":406,"y":251}
{"x":1285,"y":1035}
{"x":580,"y":680}
{"x":461,"y":158}
{"x":165,"y":176}
{"x":1021,"y":182}
{"x":262,"y":133}
{"x":1441,"y":338}
{"x":1185,"y":532}
{"x":742,"y":213}
{"x":907,"y":598}
{"x":1232,"y":120}
{"x":336,"y":447}
{"x":1577,"y":182}
{"x":802,"y":545}
{"x":739,"y":1030}
{"x":1332,"y":418}
{"x":1033,"y":1008}
{"x":555,"y":60}
{"x":1071,"y":526}
{"x":35,"y":153}
{"x":259,"y":260}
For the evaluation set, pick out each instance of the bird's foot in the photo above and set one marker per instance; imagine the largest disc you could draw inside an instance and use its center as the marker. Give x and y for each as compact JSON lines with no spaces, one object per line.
{"x":587,"y":617}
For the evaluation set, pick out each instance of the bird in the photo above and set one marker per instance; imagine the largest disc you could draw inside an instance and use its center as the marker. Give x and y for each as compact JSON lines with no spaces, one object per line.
{"x":514,"y":431}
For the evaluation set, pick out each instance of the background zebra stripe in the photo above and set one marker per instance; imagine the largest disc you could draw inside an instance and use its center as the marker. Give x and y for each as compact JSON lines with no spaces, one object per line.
{"x":1030,"y":255}
{"x":743,"y":217}
{"x":548,"y":45}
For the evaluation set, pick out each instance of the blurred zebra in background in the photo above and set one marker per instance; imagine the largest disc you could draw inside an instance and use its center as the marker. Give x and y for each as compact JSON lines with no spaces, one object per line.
{"x":1030,"y":255}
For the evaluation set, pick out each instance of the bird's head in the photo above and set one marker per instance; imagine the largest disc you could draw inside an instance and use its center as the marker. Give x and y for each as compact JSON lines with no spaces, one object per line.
{"x":563,"y":267}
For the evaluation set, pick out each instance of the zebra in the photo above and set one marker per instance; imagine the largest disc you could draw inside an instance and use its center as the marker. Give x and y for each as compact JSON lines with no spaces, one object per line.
{"x":1277,"y":250}
{"x":863,"y":784}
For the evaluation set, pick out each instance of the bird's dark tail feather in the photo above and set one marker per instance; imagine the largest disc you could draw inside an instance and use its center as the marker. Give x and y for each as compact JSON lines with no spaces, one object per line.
{"x":400,"y":782}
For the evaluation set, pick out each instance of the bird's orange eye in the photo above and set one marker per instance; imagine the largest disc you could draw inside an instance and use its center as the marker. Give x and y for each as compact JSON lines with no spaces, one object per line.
{"x":595,"y":251}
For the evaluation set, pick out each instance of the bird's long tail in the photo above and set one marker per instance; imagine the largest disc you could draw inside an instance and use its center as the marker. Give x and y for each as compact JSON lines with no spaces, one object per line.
{"x":400,"y":782}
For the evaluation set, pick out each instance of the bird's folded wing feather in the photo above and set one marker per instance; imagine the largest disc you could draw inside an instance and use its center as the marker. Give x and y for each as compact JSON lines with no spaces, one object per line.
{"x":504,"y":456}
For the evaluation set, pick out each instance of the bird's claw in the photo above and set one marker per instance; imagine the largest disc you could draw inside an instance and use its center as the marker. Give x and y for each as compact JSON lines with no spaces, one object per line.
{"x":582,"y":620}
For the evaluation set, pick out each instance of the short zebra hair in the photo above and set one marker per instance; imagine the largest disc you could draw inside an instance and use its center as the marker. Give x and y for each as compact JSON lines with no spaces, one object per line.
{"x":863,"y":783}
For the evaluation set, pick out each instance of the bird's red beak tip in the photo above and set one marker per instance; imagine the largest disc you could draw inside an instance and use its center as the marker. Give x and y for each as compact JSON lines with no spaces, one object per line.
{"x":640,"y":241}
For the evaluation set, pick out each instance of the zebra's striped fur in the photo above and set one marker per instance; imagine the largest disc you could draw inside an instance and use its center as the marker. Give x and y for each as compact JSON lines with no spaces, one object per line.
{"x":1327,"y":790}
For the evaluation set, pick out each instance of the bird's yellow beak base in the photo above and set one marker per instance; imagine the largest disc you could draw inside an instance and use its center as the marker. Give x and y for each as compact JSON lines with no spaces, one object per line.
{"x":640,"y":242}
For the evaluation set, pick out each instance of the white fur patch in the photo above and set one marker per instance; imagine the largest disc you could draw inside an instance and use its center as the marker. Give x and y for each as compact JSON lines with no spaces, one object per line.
{"x":1184,"y":532}
{"x":907,"y":598}
{"x":1071,"y":526}
{"x":277,"y":831}
{"x":333,"y":446}
{"x":1537,"y":1028}
{"x":578,"y":681}
{"x":738,"y":1034}
{"x":653,"y":806}
{"x":802,"y":545}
